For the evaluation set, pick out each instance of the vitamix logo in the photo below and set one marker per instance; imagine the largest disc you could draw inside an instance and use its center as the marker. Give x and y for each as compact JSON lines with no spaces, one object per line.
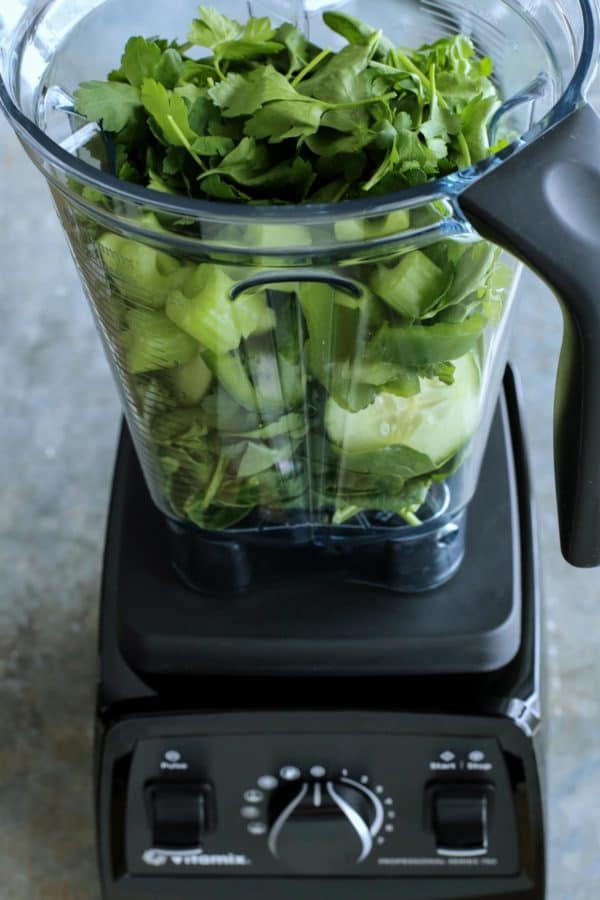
{"x":158,"y":858}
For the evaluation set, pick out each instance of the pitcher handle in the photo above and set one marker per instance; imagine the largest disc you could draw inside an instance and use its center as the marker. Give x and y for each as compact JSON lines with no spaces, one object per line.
{"x":543,"y":205}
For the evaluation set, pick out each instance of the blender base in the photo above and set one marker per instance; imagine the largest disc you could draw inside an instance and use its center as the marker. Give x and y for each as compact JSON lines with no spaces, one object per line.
{"x":314,"y":614}
{"x":424,"y":712}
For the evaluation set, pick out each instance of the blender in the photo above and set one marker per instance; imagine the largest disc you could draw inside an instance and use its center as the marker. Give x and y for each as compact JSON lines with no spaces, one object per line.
{"x":320,"y":637}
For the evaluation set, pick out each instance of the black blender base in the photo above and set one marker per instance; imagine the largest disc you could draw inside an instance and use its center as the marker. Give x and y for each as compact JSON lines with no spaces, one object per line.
{"x":297,"y":618}
{"x":221,"y":776}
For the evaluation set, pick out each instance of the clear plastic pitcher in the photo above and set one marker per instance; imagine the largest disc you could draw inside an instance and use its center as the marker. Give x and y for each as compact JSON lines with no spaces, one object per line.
{"x":326,"y":375}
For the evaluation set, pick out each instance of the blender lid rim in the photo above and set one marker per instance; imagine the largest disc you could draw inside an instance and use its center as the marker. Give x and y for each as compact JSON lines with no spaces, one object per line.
{"x":448,"y":186}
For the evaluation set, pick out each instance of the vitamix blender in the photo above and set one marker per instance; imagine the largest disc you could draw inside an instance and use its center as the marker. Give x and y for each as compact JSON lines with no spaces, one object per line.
{"x":320,"y":638}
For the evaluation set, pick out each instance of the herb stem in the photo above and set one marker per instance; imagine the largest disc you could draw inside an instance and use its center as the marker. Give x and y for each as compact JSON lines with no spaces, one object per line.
{"x":410,"y":518}
{"x":218,"y":68}
{"x":381,"y":171}
{"x":464,"y":149}
{"x":435,"y":95}
{"x":185,"y":142}
{"x":411,"y":67}
{"x":215,"y":482}
{"x":345,"y":514}
{"x":311,"y":66}
{"x":352,"y":104}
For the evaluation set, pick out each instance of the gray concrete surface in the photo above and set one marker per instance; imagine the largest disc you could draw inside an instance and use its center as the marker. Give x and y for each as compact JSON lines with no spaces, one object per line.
{"x":57,"y":440}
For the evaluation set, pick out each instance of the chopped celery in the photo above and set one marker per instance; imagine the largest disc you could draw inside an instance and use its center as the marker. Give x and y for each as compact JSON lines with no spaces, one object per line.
{"x":259,"y":458}
{"x":227,"y":417}
{"x":292,"y":424}
{"x":269,"y":235}
{"x":153,"y":342}
{"x":278,"y":383}
{"x":412,"y":287}
{"x":232,"y":374}
{"x":253,"y":314}
{"x":140,"y":273}
{"x":191,"y":382}
{"x":338,"y":338}
{"x":205,"y":311}
{"x":370,"y":229}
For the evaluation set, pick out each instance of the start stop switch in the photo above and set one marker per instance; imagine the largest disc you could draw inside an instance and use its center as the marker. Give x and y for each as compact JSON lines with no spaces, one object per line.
{"x":461,"y":819}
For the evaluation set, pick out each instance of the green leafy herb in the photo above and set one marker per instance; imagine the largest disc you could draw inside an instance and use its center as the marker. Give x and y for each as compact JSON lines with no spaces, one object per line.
{"x":108,"y":102}
{"x":391,"y":117}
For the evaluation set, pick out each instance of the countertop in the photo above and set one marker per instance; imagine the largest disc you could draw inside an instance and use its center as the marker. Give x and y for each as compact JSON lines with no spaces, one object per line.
{"x":60,"y":419}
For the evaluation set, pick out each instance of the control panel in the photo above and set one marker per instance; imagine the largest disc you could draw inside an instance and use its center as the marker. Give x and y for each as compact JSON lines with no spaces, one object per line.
{"x":320,"y":805}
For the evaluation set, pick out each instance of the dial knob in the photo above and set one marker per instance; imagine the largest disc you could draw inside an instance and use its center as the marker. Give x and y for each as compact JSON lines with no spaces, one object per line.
{"x":324,"y":826}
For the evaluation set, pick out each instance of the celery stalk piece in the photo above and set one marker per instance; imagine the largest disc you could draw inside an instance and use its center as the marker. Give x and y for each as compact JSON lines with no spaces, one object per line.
{"x":269,"y":235}
{"x":412,"y":287}
{"x":274,"y":238}
{"x":253,"y":314}
{"x":232,"y":375}
{"x":370,"y":229}
{"x":191,"y":382}
{"x":153,"y":342}
{"x":204,"y":310}
{"x":140,"y":273}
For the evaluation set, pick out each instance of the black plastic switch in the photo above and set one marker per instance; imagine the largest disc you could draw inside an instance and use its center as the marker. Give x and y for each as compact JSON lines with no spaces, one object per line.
{"x":178,"y":815}
{"x":461,"y":820}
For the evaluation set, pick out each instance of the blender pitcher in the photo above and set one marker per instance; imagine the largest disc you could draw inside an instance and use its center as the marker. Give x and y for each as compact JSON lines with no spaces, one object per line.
{"x":290,"y":376}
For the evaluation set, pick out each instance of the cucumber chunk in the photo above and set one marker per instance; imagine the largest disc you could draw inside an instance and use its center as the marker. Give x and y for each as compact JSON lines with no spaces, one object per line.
{"x":436,"y":422}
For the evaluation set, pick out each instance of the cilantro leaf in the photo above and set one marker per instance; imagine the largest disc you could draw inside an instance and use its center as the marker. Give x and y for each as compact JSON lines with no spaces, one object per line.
{"x":110,"y":102}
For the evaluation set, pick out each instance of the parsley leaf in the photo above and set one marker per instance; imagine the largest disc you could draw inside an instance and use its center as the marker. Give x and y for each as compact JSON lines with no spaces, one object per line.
{"x":357,"y":32}
{"x":229,"y":41}
{"x":258,"y":31}
{"x":140,"y":60}
{"x":212,"y":28}
{"x":241,"y":95}
{"x":169,"y":111}
{"x":268,"y":116}
{"x":109,"y":102}
{"x":169,"y":69}
{"x":285,"y":119}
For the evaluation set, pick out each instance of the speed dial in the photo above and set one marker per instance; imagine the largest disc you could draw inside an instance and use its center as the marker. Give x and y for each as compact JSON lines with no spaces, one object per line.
{"x":323,"y":826}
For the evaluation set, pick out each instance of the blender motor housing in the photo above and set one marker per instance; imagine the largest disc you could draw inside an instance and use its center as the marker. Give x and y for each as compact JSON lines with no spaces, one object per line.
{"x":248,"y":748}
